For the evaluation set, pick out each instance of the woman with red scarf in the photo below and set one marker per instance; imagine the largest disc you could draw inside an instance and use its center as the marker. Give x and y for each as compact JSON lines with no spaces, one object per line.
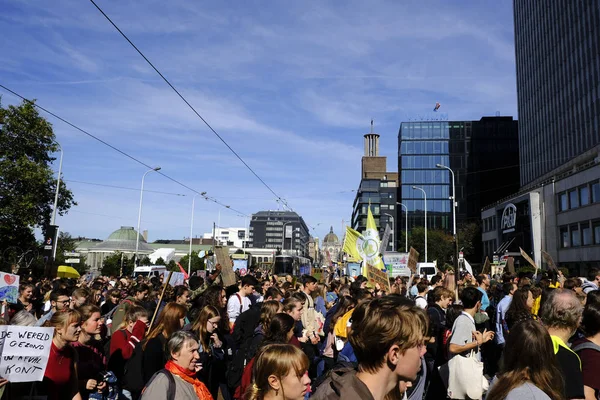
{"x":182,"y":352}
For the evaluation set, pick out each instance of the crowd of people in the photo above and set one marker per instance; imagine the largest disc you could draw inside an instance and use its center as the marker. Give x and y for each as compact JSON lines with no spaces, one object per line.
{"x":269,"y":337}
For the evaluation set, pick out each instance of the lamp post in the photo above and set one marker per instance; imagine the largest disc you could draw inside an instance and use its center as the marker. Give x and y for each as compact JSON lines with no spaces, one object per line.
{"x":425,"y":197}
{"x":53,"y":220}
{"x":393,"y":232}
{"x":137,"y":236}
{"x":453,"y":213}
{"x":192,"y":231}
{"x":405,"y":226}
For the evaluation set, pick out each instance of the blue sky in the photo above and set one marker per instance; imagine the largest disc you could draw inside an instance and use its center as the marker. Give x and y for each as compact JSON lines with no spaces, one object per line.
{"x":292,"y":86}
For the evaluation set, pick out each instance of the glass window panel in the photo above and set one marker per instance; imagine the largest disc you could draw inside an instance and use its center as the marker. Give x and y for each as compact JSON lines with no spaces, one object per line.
{"x":575,"y":236}
{"x":429,"y":146}
{"x":573,"y":199}
{"x":437,"y":147}
{"x":595,"y":192}
{"x":563,"y":202}
{"x":586,"y":234}
{"x":564,"y":237}
{"x":596,"y":226}
{"x":584,"y":196}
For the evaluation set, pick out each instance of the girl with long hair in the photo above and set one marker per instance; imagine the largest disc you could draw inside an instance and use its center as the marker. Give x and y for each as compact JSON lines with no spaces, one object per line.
{"x":60,"y":378}
{"x":215,"y":296}
{"x":279,"y":368}
{"x":520,"y":308}
{"x":90,"y":351}
{"x":345,"y":305}
{"x":171,"y":319}
{"x":530,"y":367}
{"x":210,"y":347}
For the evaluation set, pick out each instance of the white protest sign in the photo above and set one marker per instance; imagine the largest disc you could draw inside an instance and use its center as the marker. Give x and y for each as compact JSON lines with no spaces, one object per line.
{"x":177,"y":278}
{"x":25,"y":351}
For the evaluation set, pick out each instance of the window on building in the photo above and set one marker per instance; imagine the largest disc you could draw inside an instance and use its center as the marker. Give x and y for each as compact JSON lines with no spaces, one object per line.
{"x":586,"y":234}
{"x":584,"y":196}
{"x":563,"y":202}
{"x":564,"y":237}
{"x":596,"y":228}
{"x":575,"y":236}
{"x":384,"y":206}
{"x":595,"y":192}
{"x":573,"y":199}
{"x":391,"y":206}
{"x":391,"y":184}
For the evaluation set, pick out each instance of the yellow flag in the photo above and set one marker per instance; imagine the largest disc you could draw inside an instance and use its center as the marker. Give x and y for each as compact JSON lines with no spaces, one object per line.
{"x":370,"y":243}
{"x":350,"y":243}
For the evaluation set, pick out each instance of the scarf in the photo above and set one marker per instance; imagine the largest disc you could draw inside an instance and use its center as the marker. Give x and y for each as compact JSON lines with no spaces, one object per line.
{"x":189,"y":377}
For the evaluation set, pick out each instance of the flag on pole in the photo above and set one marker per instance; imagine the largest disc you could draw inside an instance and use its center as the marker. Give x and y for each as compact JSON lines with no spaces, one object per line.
{"x":370,"y":243}
{"x":185,"y":275}
{"x":350,"y":243}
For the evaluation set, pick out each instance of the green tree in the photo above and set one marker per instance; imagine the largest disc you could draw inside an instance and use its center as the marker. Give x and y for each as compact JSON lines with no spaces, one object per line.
{"x":160,"y":261}
{"x":439,"y":244}
{"x":172,"y":266}
{"x":111,"y":265}
{"x":27,"y":181}
{"x":469,"y":239}
{"x":67,"y":243}
{"x":197,"y":262}
{"x":146,"y":261}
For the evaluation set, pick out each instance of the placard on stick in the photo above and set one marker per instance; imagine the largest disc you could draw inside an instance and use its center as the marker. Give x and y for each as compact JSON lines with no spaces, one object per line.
{"x":413,"y":258}
{"x":486,"y":266}
{"x":9,"y":287}
{"x":25,"y":351}
{"x":526,"y":257}
{"x":548,"y":258}
{"x":510,"y":264}
{"x":227,"y":273}
{"x":375,"y":275}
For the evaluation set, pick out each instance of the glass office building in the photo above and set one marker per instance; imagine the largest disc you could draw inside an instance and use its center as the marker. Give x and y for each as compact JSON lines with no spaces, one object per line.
{"x":557,"y":48}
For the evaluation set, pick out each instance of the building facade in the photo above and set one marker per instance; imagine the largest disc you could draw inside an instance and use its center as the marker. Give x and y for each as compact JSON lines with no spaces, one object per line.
{"x":285,"y":230}
{"x":557,"y":47}
{"x":331,"y":249}
{"x":236,"y":237}
{"x":484,"y":156}
{"x":378,"y":188}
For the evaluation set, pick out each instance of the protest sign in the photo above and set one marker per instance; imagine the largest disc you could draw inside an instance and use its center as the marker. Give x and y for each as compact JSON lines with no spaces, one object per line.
{"x":375,"y":275}
{"x":24,"y":353}
{"x":413,"y":258}
{"x":227,"y":274}
{"x":549,"y":261}
{"x":510,"y":264}
{"x":177,"y":278}
{"x":527,"y":258}
{"x":486,"y":266}
{"x":9,"y":287}
{"x":396,"y":264}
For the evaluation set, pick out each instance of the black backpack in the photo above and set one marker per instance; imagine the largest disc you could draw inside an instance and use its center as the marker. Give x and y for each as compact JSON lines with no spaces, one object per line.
{"x":171,"y":389}
{"x":133,"y":378}
{"x":239,"y":362}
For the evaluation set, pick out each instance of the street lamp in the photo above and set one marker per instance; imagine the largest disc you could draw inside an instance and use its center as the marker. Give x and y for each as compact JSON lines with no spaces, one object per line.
{"x":425,"y":197}
{"x":453,"y":197}
{"x":405,"y":226}
{"x":192,"y":231}
{"x":137,"y":236}
{"x":393,"y":232}
{"x":53,"y":220}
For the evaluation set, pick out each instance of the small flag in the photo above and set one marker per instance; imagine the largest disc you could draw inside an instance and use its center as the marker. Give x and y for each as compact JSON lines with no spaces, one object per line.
{"x":350,"y":243}
{"x":185,"y":275}
{"x":437,"y":106}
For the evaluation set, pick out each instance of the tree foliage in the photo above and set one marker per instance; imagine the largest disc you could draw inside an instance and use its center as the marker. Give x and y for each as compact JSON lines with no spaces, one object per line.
{"x":439,"y":244}
{"x":67,"y":244}
{"x":160,"y":261}
{"x":111,"y":266}
{"x":197,"y":262}
{"x":27,"y":181}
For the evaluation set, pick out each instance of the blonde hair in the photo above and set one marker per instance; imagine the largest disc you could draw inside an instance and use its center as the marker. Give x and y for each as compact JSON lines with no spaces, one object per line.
{"x":277,"y":360}
{"x":450,"y":281}
{"x":62,"y":319}
{"x":267,"y":311}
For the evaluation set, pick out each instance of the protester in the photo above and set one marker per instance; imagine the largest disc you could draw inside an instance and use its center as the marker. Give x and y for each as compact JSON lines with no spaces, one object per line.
{"x":140,"y":292}
{"x":561,"y":313}
{"x":59,"y":300}
{"x":530,"y":370}
{"x":113,"y":297}
{"x":247,"y":322}
{"x":422,"y":289}
{"x":211,"y":346}
{"x":588,"y":350}
{"x":520,"y":308}
{"x":25,"y":300}
{"x":508,"y":289}
{"x":79,"y":297}
{"x":182,"y":354}
{"x":279,"y":368}
{"x":239,"y":302}
{"x":593,"y":281}
{"x":483,"y":284}
{"x":23,"y":318}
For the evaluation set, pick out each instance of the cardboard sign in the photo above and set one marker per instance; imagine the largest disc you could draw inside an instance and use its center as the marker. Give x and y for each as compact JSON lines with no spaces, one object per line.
{"x":385,"y":239}
{"x":526,"y":257}
{"x":25,"y":351}
{"x":227,"y":274}
{"x":9,"y":287}
{"x":510,"y":264}
{"x":375,"y":275}
{"x":413,"y":258}
{"x":486,"y":266}
{"x":548,"y":258}
{"x":177,"y":278}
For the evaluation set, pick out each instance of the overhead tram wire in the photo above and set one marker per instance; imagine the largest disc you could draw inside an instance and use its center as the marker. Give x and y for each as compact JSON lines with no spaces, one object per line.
{"x":115,"y":148}
{"x":189,"y":105}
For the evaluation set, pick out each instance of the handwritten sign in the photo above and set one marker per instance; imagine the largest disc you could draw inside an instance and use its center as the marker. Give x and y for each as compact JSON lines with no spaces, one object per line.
{"x":227,"y":274}
{"x":25,"y":352}
{"x":510,"y":264}
{"x":177,"y":278}
{"x":548,"y":258}
{"x":9,"y":287}
{"x":413,"y":258}
{"x":375,"y":275}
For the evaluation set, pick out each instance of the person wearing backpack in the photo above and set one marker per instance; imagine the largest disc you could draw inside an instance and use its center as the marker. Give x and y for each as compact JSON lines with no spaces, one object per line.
{"x":588,"y":350}
{"x":177,"y":381}
{"x":240,"y":302}
{"x":139,"y":294}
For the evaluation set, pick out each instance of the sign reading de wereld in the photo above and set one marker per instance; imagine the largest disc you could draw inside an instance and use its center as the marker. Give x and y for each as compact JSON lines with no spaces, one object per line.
{"x":509,"y":218}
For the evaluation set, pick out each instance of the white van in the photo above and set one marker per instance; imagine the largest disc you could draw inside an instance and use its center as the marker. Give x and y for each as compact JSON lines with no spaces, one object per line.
{"x":426,"y":270}
{"x":149,"y":270}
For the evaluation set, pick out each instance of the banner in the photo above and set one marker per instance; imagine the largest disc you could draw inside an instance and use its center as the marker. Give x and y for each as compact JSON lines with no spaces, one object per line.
{"x":396,"y":264}
{"x":375,"y":275}
{"x":413,"y":258}
{"x":177,"y":278}
{"x":9,"y":287}
{"x":25,"y":351}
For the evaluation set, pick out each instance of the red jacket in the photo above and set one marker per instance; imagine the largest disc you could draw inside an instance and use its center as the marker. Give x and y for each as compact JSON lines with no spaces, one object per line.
{"x":125,"y":341}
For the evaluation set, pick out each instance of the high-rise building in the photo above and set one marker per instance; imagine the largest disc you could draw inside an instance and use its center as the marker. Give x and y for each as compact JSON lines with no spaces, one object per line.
{"x":377,"y":188}
{"x":484,"y":156}
{"x":557,"y":47}
{"x":285,"y":230}
{"x":235,"y":237}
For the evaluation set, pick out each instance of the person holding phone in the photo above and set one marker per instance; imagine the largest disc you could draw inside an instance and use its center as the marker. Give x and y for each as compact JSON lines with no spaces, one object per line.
{"x":210,"y":348}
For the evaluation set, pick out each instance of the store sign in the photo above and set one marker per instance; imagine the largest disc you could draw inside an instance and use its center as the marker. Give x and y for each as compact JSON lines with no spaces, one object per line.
{"x":509,"y":218}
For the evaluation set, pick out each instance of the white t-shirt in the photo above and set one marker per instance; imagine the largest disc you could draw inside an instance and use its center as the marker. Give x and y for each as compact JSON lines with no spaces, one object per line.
{"x":421,"y":302}
{"x":233,"y":306}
